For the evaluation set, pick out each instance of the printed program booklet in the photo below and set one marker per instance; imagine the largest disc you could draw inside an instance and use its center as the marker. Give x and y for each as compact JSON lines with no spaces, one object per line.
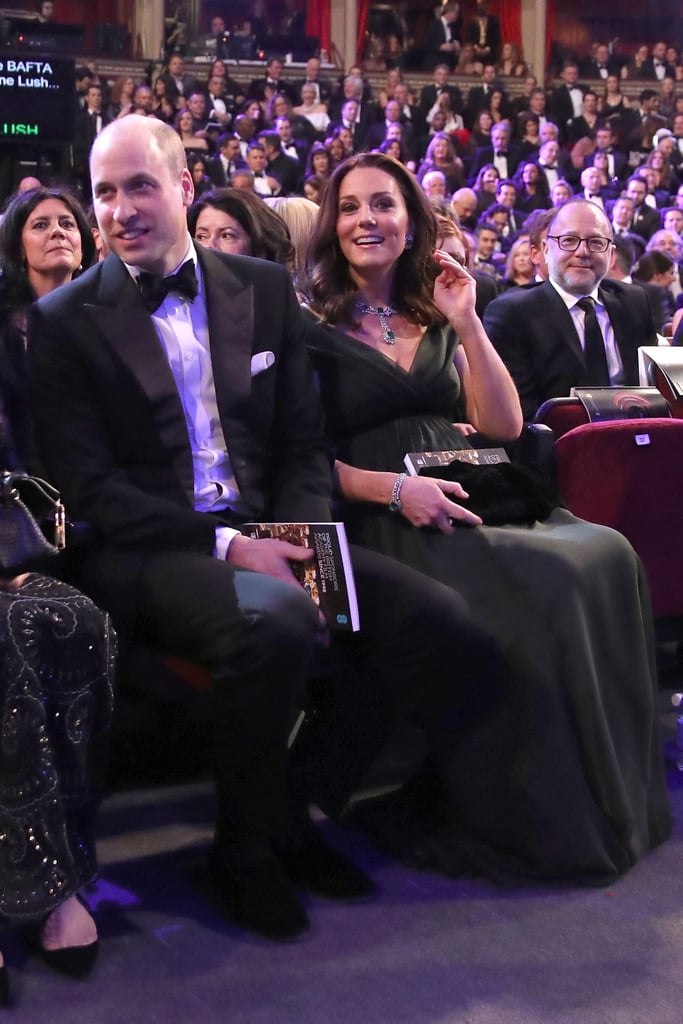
{"x":328,"y":576}
{"x":605,"y":403}
{"x":417,"y":461}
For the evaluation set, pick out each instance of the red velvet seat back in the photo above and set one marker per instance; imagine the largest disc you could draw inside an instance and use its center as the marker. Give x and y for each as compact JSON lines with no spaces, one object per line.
{"x":561,"y":414}
{"x":606,"y":476}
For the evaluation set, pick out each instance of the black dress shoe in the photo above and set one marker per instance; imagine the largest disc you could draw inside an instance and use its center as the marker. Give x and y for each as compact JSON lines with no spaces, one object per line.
{"x":256,"y":896}
{"x":313,"y":865}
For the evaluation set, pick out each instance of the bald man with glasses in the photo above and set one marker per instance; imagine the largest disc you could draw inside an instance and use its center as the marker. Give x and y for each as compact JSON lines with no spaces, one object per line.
{"x":577,"y":328}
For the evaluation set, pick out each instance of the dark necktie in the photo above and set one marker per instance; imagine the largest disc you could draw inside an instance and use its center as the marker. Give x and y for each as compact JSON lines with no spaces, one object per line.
{"x":154,"y":288}
{"x":597,"y":374}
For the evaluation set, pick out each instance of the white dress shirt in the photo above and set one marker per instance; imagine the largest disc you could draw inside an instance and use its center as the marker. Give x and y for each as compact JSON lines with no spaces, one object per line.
{"x":615,"y":366}
{"x":182,"y":327}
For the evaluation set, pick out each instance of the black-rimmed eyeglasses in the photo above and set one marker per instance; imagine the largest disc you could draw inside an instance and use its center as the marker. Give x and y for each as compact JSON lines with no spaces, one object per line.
{"x":570,"y":243}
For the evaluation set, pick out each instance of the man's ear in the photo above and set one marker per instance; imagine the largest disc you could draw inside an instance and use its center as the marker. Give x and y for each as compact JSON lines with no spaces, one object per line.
{"x":187,"y":185}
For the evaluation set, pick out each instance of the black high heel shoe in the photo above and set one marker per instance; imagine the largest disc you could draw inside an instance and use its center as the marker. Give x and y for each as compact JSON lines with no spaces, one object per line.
{"x":73,"y":961}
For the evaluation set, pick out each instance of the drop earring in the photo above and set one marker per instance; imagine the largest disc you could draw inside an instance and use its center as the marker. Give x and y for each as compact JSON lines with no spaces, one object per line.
{"x":409,"y":241}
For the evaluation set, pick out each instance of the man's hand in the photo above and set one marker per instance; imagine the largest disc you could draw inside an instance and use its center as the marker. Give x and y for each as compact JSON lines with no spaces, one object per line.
{"x":269,"y":556}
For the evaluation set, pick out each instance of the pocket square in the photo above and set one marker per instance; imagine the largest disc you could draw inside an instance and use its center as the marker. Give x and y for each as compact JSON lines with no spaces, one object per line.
{"x":261,"y":361}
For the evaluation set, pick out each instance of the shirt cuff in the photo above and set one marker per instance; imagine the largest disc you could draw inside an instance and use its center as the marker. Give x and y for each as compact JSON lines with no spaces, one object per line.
{"x":225,"y":535}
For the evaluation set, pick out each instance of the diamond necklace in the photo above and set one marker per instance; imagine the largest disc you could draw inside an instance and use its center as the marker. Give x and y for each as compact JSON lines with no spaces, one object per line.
{"x":383,"y":312}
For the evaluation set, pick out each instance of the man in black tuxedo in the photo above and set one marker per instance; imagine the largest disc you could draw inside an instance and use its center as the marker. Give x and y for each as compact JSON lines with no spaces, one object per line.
{"x":263,"y":88}
{"x":617,"y":162}
{"x":646,"y":219}
{"x":170,"y":412}
{"x":503,"y":154}
{"x":599,"y":64}
{"x":656,"y":67}
{"x":283,"y":168}
{"x":479,"y":96}
{"x":429,"y":94}
{"x":441,"y":41}
{"x":179,"y":82}
{"x":89,"y":123}
{"x":221,"y":168}
{"x":566,"y":101}
{"x":546,"y":335}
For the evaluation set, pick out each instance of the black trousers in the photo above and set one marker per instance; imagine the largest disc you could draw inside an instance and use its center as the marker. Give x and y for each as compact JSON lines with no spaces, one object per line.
{"x":417,"y":656}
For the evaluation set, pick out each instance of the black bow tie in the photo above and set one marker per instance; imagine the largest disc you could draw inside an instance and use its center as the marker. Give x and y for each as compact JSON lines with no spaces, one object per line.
{"x":154,"y":288}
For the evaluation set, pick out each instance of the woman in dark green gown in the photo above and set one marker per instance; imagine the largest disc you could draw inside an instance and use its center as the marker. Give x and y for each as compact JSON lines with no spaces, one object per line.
{"x":563,"y":779}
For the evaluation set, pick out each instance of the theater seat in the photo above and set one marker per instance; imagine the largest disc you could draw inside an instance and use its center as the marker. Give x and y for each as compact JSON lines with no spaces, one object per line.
{"x":628,"y":474}
{"x":561,"y":414}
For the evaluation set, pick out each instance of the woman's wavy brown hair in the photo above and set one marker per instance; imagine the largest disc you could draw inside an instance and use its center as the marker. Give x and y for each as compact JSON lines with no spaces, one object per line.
{"x":327,"y":282}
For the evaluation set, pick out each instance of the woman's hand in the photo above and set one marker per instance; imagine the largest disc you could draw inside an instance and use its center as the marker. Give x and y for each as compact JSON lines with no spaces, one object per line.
{"x":455,"y":289}
{"x":464,"y":428}
{"x":425,"y":503}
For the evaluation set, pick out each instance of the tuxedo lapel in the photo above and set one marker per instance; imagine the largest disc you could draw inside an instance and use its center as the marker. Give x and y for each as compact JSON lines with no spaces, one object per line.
{"x":230,"y":311}
{"x":557,"y":318}
{"x":121,"y":317}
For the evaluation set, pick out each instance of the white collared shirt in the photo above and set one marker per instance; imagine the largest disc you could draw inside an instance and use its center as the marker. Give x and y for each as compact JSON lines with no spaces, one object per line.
{"x":182,"y":327}
{"x":615,"y":366}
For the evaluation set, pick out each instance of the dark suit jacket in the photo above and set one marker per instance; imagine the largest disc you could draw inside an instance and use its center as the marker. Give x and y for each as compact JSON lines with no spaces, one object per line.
{"x":588,"y":67}
{"x":111,"y":425}
{"x":492,"y":35}
{"x":646,"y":221}
{"x":534,"y":333}
{"x":485,"y":155}
{"x":621,"y":167}
{"x":648,"y":70}
{"x":434,"y":36}
{"x":561,"y":109}
{"x":429,"y":95}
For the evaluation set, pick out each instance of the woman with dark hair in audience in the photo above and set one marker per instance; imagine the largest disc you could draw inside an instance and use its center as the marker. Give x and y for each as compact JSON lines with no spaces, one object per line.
{"x":56,"y":647}
{"x":319,"y":161}
{"x":658,"y":268}
{"x":162,"y":105}
{"x":441,"y":156}
{"x":393,"y":148}
{"x":563,"y":778}
{"x":532,"y":188}
{"x":499,"y":108}
{"x":530,"y":140}
{"x":335,"y":147}
{"x":480,"y":134}
{"x":237,"y":221}
{"x":196,"y":164}
{"x":183,"y":123}
{"x":314,"y":186}
{"x":486,"y":186}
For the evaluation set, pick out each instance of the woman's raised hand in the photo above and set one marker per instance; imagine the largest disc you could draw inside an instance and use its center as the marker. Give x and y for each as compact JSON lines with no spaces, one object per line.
{"x":455,"y":289}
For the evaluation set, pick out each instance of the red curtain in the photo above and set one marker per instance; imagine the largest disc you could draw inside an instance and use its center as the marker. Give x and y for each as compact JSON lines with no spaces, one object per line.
{"x":509,"y":14}
{"x":363,"y":7}
{"x":318,"y":22}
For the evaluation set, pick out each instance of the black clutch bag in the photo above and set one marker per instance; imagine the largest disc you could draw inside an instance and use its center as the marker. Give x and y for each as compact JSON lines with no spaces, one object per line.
{"x":502,"y":493}
{"x":23,"y":542}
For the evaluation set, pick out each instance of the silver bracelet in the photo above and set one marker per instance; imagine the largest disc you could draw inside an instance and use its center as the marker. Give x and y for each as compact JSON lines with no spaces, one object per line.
{"x":395,"y":505}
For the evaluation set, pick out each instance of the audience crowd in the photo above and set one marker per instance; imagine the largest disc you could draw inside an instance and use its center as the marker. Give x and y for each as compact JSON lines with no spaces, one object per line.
{"x":283,"y":137}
